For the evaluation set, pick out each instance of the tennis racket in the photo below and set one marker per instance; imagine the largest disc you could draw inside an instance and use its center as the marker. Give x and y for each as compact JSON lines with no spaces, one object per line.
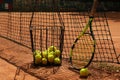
{"x":83,"y":49}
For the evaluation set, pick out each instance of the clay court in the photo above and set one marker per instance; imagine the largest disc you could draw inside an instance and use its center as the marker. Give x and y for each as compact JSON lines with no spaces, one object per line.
{"x":23,"y":31}
{"x":16,"y":60}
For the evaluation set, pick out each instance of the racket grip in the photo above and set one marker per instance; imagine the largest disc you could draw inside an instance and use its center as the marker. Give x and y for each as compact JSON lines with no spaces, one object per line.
{"x":91,"y":16}
{"x":95,"y":4}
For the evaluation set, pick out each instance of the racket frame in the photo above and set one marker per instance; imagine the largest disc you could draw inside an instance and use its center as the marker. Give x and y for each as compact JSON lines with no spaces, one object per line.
{"x":88,"y":25}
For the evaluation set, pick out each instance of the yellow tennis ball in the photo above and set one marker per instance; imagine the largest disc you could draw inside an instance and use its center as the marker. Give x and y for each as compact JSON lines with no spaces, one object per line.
{"x":44,"y":61}
{"x":38,"y":59}
{"x":57,"y":60}
{"x":45,"y":54}
{"x":37,"y":52}
{"x":57,"y":53}
{"x":51,"y":48}
{"x":84,"y":72}
{"x":51,"y":53}
{"x":51,"y":58}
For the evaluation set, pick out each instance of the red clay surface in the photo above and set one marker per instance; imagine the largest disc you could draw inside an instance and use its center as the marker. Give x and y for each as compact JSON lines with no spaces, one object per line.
{"x":11,"y":71}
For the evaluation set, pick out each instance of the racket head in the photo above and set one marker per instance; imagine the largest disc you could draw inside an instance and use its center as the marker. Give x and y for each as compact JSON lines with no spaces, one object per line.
{"x":82,"y":51}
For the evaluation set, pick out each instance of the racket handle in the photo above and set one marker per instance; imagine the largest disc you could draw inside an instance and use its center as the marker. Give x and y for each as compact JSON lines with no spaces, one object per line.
{"x":95,"y":4}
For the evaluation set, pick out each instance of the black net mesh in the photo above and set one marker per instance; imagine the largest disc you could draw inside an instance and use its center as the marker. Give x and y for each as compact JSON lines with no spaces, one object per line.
{"x":105,"y":50}
{"x":15,"y":26}
{"x":48,"y":19}
{"x":104,"y":40}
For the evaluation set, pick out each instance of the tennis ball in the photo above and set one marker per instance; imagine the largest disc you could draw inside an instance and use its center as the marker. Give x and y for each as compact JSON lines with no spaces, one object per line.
{"x":38,"y":59}
{"x":37,"y":52}
{"x":51,"y":48}
{"x":84,"y":72}
{"x":57,"y":53}
{"x":51,"y":58}
{"x":45,"y":54}
{"x":44,"y":61}
{"x":57,"y":60}
{"x":51,"y":53}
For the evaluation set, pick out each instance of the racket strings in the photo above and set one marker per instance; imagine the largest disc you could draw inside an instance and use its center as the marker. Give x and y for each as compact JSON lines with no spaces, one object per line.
{"x":82,"y":51}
